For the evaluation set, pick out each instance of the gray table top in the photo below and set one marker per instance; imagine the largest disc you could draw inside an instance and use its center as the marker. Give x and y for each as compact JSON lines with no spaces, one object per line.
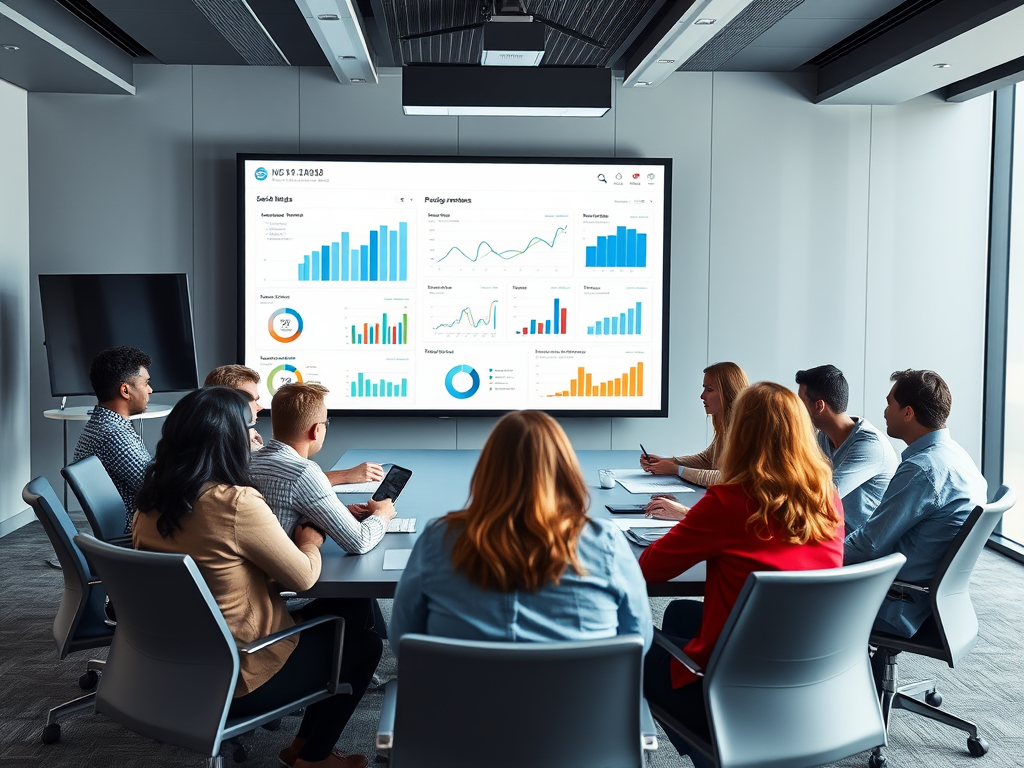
{"x":439,"y":484}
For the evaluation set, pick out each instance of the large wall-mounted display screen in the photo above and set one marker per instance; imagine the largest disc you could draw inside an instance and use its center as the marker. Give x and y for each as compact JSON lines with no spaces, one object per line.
{"x":457,"y":286}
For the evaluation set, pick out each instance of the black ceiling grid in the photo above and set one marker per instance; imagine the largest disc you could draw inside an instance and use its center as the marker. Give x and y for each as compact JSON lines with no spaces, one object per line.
{"x":749,"y":24}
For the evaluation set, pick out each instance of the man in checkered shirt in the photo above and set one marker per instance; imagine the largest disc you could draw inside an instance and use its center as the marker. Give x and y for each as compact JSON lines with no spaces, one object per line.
{"x":120,"y":379}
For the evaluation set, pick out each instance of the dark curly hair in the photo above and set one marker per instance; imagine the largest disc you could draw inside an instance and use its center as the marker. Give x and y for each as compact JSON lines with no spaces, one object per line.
{"x":113,"y":367}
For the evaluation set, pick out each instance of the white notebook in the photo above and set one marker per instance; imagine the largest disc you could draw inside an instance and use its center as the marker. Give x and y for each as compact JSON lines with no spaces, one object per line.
{"x":395,"y":559}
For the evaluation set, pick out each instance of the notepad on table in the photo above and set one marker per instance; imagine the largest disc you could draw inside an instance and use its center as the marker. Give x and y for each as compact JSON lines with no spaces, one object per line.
{"x":402,"y":525}
{"x":638,"y":481}
{"x":395,"y":559}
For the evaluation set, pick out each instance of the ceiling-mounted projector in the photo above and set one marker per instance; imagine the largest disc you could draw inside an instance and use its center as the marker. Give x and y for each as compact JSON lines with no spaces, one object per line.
{"x":512,"y":37}
{"x":512,"y":41}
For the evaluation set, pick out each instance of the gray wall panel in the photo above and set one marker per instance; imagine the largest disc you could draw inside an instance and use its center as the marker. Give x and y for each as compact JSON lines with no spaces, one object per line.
{"x":15,"y":384}
{"x":236,"y":109}
{"x":789,"y":220}
{"x":651,"y":122}
{"x":110,"y":190}
{"x":367,"y":119}
{"x":930,"y":173}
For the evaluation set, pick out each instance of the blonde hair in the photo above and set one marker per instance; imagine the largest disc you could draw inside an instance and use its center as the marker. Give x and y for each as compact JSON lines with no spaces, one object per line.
{"x":527,"y":507}
{"x":233,"y":376}
{"x":772,"y":453}
{"x":295,"y":408}
{"x":731,"y":382}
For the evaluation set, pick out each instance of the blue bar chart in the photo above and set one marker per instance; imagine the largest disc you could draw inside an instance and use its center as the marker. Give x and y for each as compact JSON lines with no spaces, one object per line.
{"x":626,"y":248}
{"x":367,"y":386}
{"x":624,"y":324}
{"x":384,"y":258}
{"x":556,"y":324}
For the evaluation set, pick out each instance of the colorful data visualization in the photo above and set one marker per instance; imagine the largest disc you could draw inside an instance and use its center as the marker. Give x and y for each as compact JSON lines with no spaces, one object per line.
{"x":457,"y":286}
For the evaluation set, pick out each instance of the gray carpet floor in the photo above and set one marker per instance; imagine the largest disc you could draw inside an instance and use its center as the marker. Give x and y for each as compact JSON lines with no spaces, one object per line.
{"x":988,"y":686}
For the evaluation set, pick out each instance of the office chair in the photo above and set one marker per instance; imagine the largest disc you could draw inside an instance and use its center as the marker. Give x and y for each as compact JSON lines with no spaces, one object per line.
{"x":789,"y":683}
{"x":948,"y":634}
{"x":463,"y":704}
{"x":173,"y":664}
{"x":101,"y":503}
{"x":80,"y":622}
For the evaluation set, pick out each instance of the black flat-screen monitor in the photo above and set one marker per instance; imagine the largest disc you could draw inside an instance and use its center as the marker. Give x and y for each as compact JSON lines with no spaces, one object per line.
{"x":85,"y":314}
{"x":457,"y":286}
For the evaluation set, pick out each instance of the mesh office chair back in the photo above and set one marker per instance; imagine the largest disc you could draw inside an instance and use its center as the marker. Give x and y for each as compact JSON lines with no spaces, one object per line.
{"x":101,"y":503}
{"x":173,"y":663}
{"x":789,"y":683}
{"x":80,"y":621}
{"x":951,"y":601}
{"x":464,"y":704}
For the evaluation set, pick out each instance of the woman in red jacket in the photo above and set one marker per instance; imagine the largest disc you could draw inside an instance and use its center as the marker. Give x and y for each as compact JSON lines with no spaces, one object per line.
{"x":776,"y":509}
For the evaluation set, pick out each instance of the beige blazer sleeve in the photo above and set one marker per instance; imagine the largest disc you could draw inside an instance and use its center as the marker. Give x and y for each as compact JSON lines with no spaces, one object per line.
{"x":261,"y":540}
{"x":700,"y":468}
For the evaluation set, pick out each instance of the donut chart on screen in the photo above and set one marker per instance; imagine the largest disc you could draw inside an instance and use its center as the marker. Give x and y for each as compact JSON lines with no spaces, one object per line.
{"x":285,"y":325}
{"x":283,"y":374}
{"x":449,"y":382}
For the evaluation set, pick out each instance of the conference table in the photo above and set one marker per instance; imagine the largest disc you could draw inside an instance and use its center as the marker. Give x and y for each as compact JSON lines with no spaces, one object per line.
{"x":440,"y":484}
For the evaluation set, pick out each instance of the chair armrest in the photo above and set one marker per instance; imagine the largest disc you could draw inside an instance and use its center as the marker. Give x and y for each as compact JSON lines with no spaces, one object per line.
{"x":676,"y":653}
{"x":263,"y":642}
{"x":648,"y":731}
{"x":386,"y":725}
{"x":909,"y":585}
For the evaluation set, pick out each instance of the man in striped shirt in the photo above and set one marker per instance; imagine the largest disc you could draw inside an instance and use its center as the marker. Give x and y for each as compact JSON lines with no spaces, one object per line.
{"x":297,"y":489}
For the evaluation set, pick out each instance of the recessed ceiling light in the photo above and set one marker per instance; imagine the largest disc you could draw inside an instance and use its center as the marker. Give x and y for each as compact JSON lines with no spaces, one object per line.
{"x":941,"y":66}
{"x":357,"y":80}
{"x":328,"y":17}
{"x":11,"y":48}
{"x":347,"y":58}
{"x":666,"y":61}
{"x":704,"y":22}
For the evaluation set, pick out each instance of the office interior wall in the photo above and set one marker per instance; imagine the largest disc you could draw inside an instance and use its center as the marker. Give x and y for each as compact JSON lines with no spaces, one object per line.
{"x":15,"y":467}
{"x":776,"y":260}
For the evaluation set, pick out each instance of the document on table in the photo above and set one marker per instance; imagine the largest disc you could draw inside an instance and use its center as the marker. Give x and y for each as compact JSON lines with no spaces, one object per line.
{"x":395,"y":559}
{"x":638,"y":481}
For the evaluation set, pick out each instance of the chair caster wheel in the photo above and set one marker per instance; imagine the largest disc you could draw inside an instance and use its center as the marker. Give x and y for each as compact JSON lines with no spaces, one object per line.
{"x":933,"y":699}
{"x":241,"y":754}
{"x":977,"y":747}
{"x":89,"y":680}
{"x":51,"y":733}
{"x":876,"y":761}
{"x":273,"y":725}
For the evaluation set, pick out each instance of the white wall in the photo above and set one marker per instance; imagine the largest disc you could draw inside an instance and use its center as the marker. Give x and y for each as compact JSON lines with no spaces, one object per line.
{"x":14,"y":302}
{"x":801,"y":234}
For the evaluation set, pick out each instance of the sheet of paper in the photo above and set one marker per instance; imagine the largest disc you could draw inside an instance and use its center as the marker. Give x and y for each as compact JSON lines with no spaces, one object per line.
{"x":370,"y":487}
{"x":643,"y":522}
{"x":395,"y":559}
{"x":638,"y":481}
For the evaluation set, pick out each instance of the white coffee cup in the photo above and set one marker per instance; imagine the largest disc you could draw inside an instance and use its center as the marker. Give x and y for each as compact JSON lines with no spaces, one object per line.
{"x":606,"y":478}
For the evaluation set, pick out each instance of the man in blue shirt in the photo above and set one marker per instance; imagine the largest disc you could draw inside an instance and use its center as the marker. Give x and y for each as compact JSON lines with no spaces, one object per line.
{"x":863,"y":461}
{"x":933,"y":491}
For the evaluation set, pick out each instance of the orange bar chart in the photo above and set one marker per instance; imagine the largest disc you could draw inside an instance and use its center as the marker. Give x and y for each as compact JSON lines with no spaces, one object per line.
{"x":630,"y":384}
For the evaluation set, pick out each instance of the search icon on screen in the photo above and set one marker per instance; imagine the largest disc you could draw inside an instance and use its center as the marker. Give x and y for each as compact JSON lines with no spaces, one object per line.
{"x":600,"y":177}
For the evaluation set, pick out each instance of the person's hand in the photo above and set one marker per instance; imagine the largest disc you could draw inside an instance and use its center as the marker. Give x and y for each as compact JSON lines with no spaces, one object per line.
{"x":659,"y":466}
{"x":255,"y":441}
{"x":359,"y":511}
{"x":307,"y":534}
{"x":647,"y":461}
{"x":385,"y":509}
{"x":367,"y":472}
{"x":665,"y":508}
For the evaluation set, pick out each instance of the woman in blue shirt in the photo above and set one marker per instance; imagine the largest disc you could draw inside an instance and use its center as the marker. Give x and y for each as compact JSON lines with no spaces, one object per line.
{"x":523,"y":562}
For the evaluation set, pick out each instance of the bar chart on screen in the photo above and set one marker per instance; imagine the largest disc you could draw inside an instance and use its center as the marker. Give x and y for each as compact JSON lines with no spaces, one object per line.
{"x":541,"y":310}
{"x":378,"y":256}
{"x":577,"y":382}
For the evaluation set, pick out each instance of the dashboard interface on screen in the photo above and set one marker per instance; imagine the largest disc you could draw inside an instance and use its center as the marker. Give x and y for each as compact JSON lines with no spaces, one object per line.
{"x":446,"y":287}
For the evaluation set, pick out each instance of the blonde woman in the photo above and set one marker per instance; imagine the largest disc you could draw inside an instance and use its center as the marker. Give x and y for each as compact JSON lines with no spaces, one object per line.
{"x":523,"y":562}
{"x":723,"y":383}
{"x":774,"y":509}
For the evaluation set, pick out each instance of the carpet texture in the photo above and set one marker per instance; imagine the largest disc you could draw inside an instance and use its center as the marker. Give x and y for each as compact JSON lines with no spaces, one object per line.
{"x":988,"y":687}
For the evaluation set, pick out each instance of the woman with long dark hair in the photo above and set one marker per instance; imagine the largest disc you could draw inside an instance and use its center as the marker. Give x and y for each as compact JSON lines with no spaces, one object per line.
{"x":775,"y":509}
{"x":197,"y":499}
{"x":522,"y":561}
